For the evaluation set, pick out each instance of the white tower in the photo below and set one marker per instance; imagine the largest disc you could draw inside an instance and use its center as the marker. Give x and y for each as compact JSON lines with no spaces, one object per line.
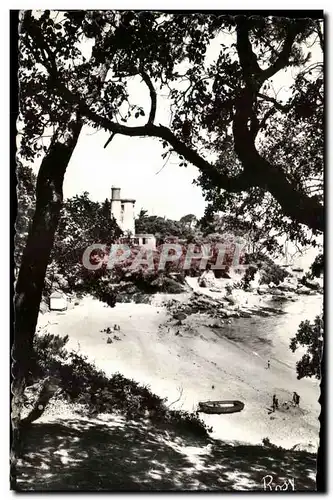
{"x":123,"y":211}
{"x":115,"y":204}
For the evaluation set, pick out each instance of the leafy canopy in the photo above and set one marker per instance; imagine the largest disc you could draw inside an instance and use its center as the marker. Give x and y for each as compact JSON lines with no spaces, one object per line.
{"x":259,"y":150}
{"x":310,"y":336}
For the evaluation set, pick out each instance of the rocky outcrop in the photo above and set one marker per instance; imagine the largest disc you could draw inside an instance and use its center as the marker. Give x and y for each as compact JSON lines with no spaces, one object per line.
{"x":289,"y":289}
{"x":312,"y":284}
{"x":263,"y":289}
{"x":219,"y":309}
{"x":303,"y":290}
{"x":207,"y":280}
{"x":168,"y":285}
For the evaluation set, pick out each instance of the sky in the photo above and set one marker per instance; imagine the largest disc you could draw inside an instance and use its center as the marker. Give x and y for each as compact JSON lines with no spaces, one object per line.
{"x":132,"y":163}
{"x":135,"y":164}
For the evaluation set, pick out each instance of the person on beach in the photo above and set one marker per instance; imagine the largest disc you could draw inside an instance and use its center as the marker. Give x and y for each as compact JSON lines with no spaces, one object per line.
{"x":296,"y":399}
{"x":275,"y":403}
{"x":268,"y":364}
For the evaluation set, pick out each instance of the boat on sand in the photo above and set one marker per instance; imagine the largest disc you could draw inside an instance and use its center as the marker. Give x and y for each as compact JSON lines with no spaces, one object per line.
{"x":227,"y":406}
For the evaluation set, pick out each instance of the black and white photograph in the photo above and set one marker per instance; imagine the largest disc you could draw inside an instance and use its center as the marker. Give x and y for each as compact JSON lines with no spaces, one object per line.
{"x":168,"y":250}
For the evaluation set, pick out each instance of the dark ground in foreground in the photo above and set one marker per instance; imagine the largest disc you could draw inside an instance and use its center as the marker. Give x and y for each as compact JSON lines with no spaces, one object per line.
{"x":80,"y":454}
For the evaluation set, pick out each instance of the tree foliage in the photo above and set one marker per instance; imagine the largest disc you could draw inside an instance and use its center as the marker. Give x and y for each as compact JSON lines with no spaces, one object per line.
{"x":267,"y":153}
{"x":83,"y":222}
{"x":317,"y":266}
{"x":257,"y":236}
{"x":270,"y":271}
{"x":188,"y":220}
{"x":26,"y":199}
{"x":310,"y":336}
{"x":163,"y":228}
{"x":259,"y":156}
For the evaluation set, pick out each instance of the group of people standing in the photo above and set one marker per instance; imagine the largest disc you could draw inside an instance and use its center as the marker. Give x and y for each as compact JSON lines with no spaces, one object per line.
{"x":275,"y":405}
{"x":296,"y":400}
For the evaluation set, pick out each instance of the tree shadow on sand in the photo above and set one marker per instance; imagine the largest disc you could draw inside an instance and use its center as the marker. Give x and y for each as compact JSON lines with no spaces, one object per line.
{"x":120,"y":455}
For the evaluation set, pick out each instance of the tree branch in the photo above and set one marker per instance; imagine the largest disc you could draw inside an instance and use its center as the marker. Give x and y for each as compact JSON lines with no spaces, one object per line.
{"x":247,"y":58}
{"x":148,"y":82}
{"x":270,"y":112}
{"x":109,"y":140}
{"x":236,"y":184}
{"x":257,"y":125}
{"x":152,"y":92}
{"x":257,"y":171}
{"x":320,"y":34}
{"x":34,"y":31}
{"x":283,"y":58}
{"x":281,"y":107}
{"x":253,"y":74}
{"x":48,"y":388}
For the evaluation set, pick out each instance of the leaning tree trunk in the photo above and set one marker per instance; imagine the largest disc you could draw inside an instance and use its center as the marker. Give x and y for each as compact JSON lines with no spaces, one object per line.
{"x":36,"y":255}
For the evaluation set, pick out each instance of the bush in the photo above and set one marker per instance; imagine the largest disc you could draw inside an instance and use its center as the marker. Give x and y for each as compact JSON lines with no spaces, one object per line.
{"x":317,"y":266}
{"x":248,"y":277}
{"x":266,"y":441}
{"x":49,"y":352}
{"x":186,"y":421}
{"x":270,"y":272}
{"x":309,"y":335}
{"x":81,"y":382}
{"x":268,"y":444}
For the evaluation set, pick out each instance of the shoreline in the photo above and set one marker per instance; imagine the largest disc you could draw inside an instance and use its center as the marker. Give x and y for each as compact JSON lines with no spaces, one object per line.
{"x":195,"y":360}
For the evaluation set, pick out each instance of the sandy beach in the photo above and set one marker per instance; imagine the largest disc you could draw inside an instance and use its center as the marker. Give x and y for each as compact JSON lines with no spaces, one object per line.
{"x":195,"y":363}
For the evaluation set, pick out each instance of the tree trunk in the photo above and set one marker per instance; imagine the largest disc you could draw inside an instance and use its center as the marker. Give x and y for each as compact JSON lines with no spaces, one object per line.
{"x":36,"y":255}
{"x":48,"y":387}
{"x":295,"y":204}
{"x":30,"y":281}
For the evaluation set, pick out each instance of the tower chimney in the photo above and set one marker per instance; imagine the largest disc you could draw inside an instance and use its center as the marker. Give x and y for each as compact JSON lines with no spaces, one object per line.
{"x":115,"y":193}
{"x":115,"y":204}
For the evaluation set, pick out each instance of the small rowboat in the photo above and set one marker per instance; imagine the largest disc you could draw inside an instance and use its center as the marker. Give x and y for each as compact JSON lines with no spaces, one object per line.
{"x":220,"y":406}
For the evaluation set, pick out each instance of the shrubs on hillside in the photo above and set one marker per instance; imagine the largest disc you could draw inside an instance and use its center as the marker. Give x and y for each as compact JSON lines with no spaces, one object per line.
{"x":84,"y":222}
{"x":81,"y":382}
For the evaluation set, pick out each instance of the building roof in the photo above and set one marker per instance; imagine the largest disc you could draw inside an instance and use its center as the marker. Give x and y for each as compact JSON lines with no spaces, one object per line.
{"x":127,"y":200}
{"x":143,"y":235}
{"x":57,"y":295}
